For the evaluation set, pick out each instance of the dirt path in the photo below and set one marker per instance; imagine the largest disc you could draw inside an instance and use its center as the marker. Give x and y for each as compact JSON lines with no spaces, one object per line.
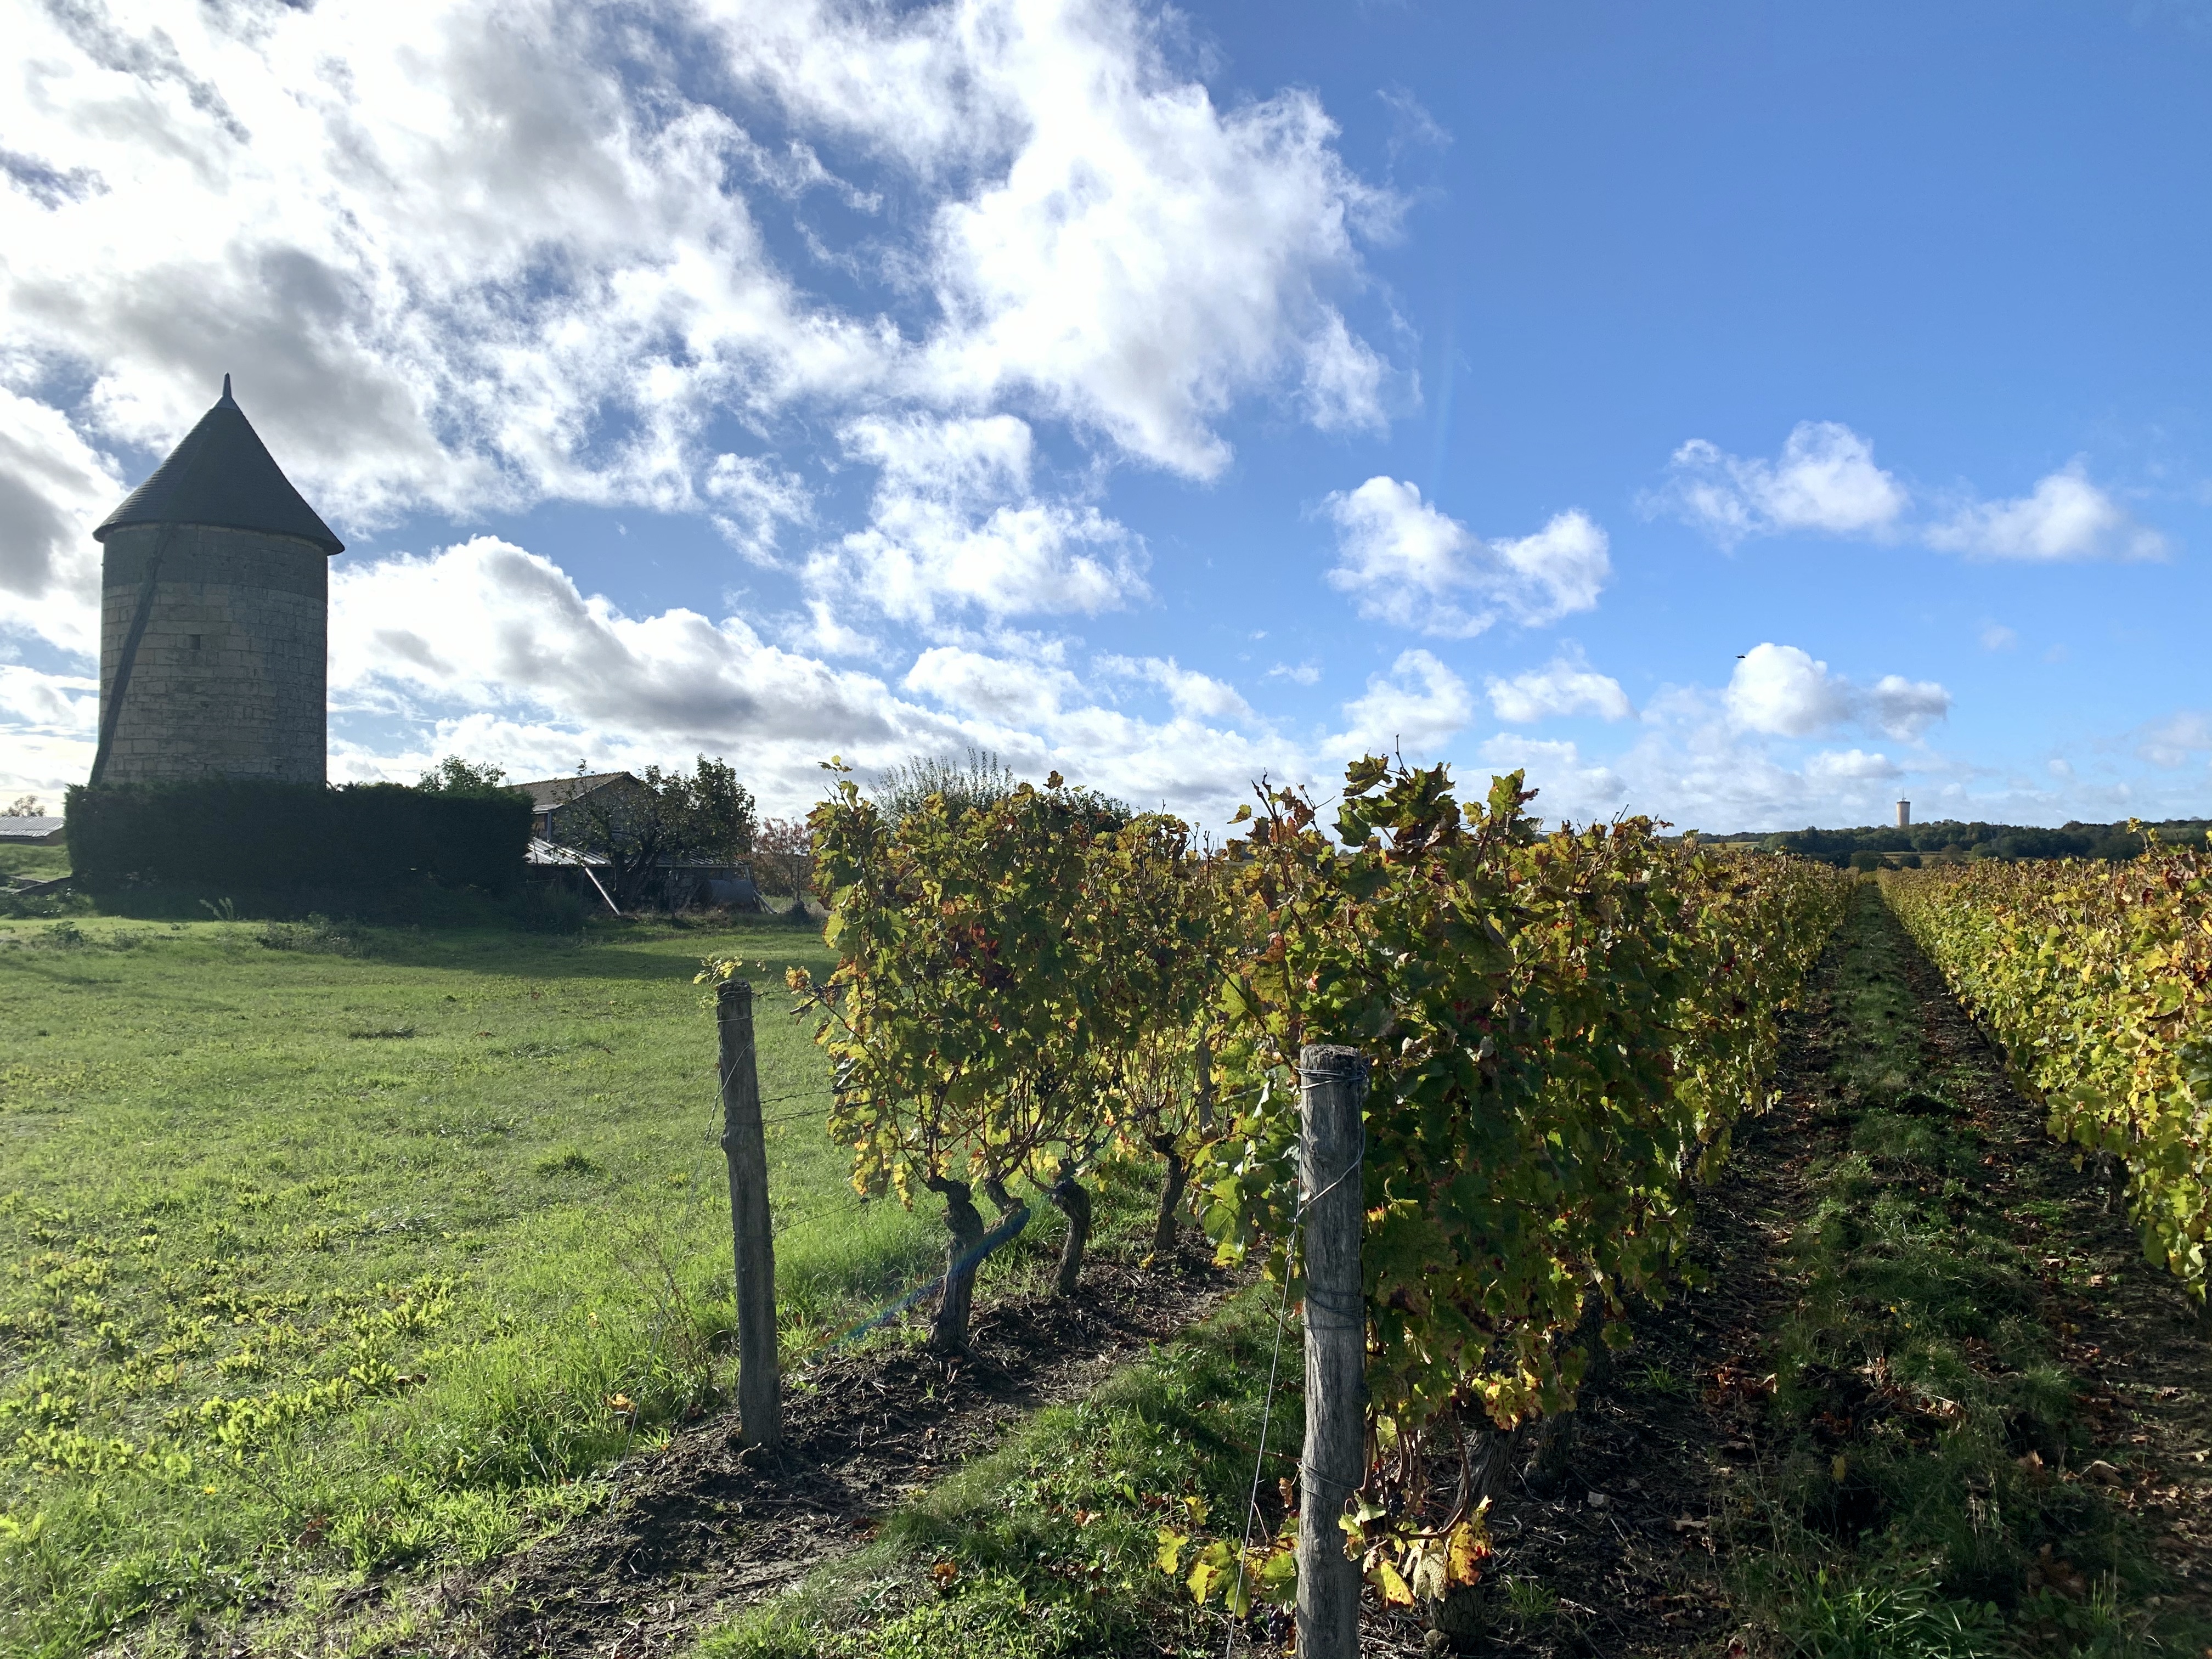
{"x":1699,"y":1503}
{"x":704,"y":1526}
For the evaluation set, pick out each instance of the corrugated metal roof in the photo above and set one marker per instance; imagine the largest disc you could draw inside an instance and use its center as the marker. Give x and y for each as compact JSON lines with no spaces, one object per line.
{"x":43,"y":831}
{"x":222,"y":475}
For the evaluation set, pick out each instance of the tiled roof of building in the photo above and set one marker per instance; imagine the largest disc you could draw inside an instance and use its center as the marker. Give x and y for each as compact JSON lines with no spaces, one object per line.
{"x":222,"y":474}
{"x":547,"y":794}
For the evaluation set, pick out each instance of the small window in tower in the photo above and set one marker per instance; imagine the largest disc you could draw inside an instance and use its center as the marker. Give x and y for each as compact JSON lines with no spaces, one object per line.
{"x":193,"y":640}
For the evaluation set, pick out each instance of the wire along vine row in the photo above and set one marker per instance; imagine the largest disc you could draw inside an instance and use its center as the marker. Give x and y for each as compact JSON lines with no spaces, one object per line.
{"x":2093,"y":977}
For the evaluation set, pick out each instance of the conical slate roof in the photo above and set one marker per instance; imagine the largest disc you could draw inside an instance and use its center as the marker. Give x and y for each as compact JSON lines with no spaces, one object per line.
{"x":222,"y":475}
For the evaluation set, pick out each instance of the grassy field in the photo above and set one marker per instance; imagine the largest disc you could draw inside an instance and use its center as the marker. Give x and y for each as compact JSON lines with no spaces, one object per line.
{"x":34,"y":863}
{"x":331,"y":1250}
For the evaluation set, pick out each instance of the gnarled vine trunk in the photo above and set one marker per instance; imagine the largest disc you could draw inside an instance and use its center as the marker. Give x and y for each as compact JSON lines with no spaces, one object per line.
{"x":1171,"y":1191}
{"x":948,"y":1330}
{"x":1069,"y":1198}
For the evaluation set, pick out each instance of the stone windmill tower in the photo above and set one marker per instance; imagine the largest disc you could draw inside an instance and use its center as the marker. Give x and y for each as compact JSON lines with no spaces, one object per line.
{"x":215,"y":600}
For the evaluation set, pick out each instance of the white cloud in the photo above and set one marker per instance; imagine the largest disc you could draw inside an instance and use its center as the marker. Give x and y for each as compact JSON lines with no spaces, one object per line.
{"x":61,"y":703}
{"x":1996,"y":636}
{"x":1904,"y":709}
{"x":1781,"y":691}
{"x":2064,"y":517}
{"x":51,"y":720}
{"x":1833,"y":767}
{"x":752,"y":498}
{"x":1407,"y":564}
{"x":954,"y":524}
{"x":489,"y":650}
{"x":1199,"y":697}
{"x":488,"y":626}
{"x":1825,"y":481}
{"x":1304,"y":673}
{"x":995,"y":689}
{"x":54,"y":488}
{"x":1566,"y":685}
{"x":467,"y":258}
{"x":1568,"y":787}
{"x":1416,"y":706}
{"x":2176,"y":740}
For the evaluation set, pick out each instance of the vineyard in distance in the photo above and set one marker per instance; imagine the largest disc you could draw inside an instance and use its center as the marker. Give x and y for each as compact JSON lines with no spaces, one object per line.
{"x":1734,"y":1253}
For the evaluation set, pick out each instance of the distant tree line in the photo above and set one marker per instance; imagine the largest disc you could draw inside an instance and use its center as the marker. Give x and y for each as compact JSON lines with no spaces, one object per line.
{"x":1867,"y":845}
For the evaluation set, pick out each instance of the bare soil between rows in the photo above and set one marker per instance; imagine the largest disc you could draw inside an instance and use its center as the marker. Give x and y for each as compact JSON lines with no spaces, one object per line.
{"x":1633,"y":1540}
{"x":701,"y":1528}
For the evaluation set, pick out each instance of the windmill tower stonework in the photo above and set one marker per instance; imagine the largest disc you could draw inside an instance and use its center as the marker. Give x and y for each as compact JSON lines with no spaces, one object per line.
{"x":213,"y":617}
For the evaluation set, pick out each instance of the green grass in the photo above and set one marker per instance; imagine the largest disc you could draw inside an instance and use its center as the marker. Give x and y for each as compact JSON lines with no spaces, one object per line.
{"x":333,"y":1250}
{"x":36,"y":863}
{"x":1050,"y":1546}
{"x":1926,"y":1410}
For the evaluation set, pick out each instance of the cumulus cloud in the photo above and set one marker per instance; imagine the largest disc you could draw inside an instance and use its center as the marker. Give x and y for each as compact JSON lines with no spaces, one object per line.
{"x":1567,"y":786}
{"x":1825,"y":481}
{"x":1199,"y":695}
{"x":54,"y":488}
{"x":465,"y":258}
{"x":2176,"y":740}
{"x":1407,"y":564}
{"x":1566,"y":685}
{"x":1416,"y":706}
{"x":51,"y":720}
{"x":489,"y":649}
{"x":954,"y":525}
{"x":2064,"y":517}
{"x":1782,"y":691}
{"x":1833,"y":766}
{"x":753,"y":499}
{"x":1007,"y":692}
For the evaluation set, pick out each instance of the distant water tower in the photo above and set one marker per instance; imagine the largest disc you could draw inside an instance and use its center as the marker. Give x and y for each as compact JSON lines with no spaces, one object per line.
{"x":1905,"y":815}
{"x":213,"y":617}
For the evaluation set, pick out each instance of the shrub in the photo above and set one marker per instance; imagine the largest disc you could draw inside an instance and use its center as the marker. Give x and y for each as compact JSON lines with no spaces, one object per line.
{"x":234,"y":834}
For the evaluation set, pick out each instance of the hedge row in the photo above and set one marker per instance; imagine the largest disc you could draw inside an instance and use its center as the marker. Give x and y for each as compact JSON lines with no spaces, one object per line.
{"x":232,"y":835}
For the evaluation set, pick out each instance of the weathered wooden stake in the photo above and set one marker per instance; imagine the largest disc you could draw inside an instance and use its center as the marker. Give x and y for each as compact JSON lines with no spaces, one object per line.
{"x":760,"y":1385}
{"x":1332,"y":1096}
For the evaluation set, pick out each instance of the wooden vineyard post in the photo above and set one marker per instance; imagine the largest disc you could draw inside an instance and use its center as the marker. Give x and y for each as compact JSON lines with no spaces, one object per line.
{"x":760,"y":1387}
{"x":1332,"y":1096}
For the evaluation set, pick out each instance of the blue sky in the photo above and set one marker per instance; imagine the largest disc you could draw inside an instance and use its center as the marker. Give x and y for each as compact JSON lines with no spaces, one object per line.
{"x":1747,"y":414}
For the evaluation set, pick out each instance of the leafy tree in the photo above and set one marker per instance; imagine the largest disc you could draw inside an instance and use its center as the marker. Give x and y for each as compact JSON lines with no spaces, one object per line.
{"x":980,"y":779}
{"x":783,"y":857}
{"x":455,"y":776}
{"x":23,"y":806}
{"x":640,"y":823}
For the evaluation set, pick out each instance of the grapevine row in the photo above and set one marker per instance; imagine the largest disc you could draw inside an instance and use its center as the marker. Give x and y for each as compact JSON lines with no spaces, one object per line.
{"x":1562,"y":1028}
{"x":2092,"y":976}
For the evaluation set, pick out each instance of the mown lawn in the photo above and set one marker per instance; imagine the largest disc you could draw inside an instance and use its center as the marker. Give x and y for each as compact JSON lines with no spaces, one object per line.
{"x":331,"y":1251}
